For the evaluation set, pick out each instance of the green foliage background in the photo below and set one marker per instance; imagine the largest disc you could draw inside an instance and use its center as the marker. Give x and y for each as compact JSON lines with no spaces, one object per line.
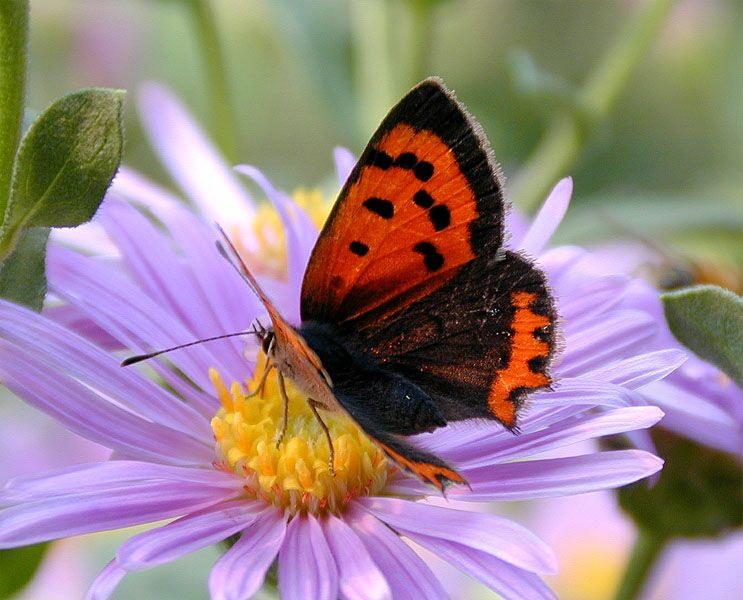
{"x":295,"y":81}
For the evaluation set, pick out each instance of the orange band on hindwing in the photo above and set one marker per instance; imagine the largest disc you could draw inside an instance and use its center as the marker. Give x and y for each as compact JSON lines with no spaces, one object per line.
{"x":520,"y":374}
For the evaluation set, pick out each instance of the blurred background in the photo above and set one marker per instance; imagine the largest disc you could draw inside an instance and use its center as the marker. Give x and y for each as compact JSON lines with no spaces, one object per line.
{"x":646,"y":115}
{"x":287,"y":80}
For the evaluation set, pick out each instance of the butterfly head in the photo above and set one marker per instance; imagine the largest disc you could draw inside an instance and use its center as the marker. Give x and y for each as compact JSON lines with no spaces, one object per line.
{"x":265,"y":335}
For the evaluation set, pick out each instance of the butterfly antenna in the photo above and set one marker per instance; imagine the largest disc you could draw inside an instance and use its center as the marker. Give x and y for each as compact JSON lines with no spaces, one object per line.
{"x":140,"y":357}
{"x":229,"y":251}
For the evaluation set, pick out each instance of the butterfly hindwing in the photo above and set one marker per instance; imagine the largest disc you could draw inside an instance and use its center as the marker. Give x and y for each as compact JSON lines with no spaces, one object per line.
{"x":424,"y":199}
{"x":477,"y":344}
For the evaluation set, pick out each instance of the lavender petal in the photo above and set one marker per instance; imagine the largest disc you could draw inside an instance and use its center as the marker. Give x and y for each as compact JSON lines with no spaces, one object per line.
{"x":639,"y":370}
{"x":301,"y":235}
{"x":188,"y":534}
{"x":306,"y":565}
{"x":586,"y":427}
{"x":406,"y":573}
{"x":98,"y":477}
{"x":106,"y":583}
{"x":490,"y":533}
{"x":557,"y":476}
{"x":84,"y":412}
{"x":110,"y":507}
{"x":508,"y":581}
{"x":240,"y":572}
{"x":345,"y":161}
{"x":183,"y":146}
{"x":359,"y":578}
{"x":120,"y":307}
{"x":548,"y":218}
{"x":617,"y":335}
{"x":67,"y":353}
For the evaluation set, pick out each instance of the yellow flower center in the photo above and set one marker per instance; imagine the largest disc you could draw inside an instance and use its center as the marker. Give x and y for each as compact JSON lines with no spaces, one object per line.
{"x":295,"y":475}
{"x":268,"y":231}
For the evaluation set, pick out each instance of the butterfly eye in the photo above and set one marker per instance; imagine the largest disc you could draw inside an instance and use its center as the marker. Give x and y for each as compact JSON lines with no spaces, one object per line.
{"x":267,"y":341}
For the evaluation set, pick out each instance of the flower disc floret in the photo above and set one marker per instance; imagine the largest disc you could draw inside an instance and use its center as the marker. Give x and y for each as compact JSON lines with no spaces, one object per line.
{"x":295,"y":475}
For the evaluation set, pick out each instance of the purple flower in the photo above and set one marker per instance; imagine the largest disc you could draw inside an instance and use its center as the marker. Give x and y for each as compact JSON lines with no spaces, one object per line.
{"x":700,"y":402}
{"x":166,"y":284}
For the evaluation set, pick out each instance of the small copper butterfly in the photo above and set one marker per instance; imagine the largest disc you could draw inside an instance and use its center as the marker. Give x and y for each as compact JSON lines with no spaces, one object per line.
{"x":414,"y":315}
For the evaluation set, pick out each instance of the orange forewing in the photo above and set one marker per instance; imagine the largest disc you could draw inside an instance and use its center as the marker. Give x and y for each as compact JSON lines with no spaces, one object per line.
{"x":349,"y":284}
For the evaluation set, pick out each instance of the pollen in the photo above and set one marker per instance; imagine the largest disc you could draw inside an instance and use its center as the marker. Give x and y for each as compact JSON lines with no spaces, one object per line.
{"x":296,"y":475}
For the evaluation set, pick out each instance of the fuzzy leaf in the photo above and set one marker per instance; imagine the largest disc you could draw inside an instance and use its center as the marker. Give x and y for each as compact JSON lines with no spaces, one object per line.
{"x":65,"y":164}
{"x":709,"y":320}
{"x":22,"y":274}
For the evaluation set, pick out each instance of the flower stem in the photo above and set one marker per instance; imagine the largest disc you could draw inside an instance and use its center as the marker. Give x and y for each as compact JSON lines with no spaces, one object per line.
{"x":421,"y":14}
{"x":646,"y":551}
{"x":225,"y":122}
{"x":13,"y":49}
{"x":565,"y":137}
{"x":374,"y":75}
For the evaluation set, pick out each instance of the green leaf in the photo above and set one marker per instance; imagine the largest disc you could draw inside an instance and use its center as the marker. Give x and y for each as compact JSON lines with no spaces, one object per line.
{"x":22,"y":278}
{"x":17,"y":568}
{"x":65,"y":164}
{"x":709,"y":320}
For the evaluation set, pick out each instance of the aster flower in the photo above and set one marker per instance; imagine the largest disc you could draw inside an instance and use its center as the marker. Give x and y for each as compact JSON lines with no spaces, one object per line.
{"x":700,"y":402}
{"x":198,"y":451}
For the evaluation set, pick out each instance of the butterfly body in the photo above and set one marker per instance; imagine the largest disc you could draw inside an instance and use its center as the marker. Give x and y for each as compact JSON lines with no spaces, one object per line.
{"x":364,"y":386}
{"x":414,"y":315}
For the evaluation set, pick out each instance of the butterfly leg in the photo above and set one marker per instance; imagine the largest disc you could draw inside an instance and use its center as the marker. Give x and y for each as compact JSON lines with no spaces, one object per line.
{"x":262,"y":382}
{"x":285,"y":415}
{"x":331,"y":458}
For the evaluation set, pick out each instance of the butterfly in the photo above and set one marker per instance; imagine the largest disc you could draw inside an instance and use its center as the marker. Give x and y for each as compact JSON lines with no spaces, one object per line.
{"x":414,"y":315}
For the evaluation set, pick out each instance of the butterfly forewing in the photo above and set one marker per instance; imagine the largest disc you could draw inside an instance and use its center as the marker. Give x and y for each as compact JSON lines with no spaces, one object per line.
{"x":423,"y":200}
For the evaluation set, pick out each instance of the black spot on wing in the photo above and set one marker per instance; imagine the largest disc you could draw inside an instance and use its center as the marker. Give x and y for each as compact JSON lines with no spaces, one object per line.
{"x":423,"y":199}
{"x":379,"y":158}
{"x":431,"y":257}
{"x":538,"y":364}
{"x":359,"y":248}
{"x":543,"y":334}
{"x":423,"y":170}
{"x":407,"y":160}
{"x":440,"y":217}
{"x":380,"y":206}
